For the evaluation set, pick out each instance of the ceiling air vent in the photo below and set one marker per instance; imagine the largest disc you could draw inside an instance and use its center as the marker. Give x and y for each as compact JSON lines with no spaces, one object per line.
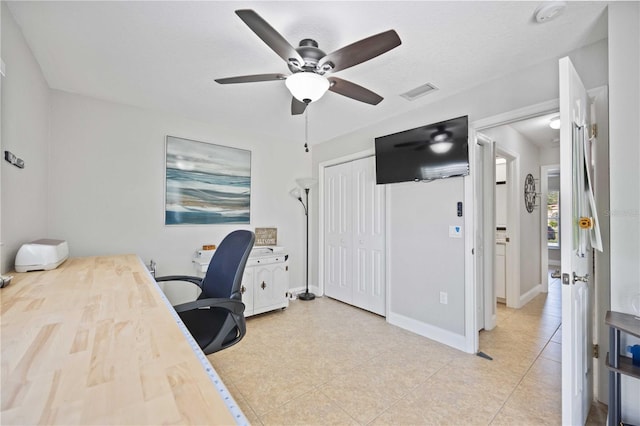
{"x":419,"y":91}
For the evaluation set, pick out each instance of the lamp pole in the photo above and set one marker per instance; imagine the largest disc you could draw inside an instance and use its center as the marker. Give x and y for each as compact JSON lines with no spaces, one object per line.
{"x":306,"y":295}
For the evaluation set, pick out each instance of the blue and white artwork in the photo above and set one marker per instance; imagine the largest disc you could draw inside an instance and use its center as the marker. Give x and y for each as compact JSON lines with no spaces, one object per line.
{"x":206,"y":183}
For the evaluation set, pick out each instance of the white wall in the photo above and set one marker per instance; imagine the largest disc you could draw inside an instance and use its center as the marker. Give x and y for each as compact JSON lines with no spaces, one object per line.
{"x":25,"y":125}
{"x":107,"y":184}
{"x":424,"y":259}
{"x":624,"y":154}
{"x":528,"y":87}
{"x":550,"y":156}
{"x":510,"y":140}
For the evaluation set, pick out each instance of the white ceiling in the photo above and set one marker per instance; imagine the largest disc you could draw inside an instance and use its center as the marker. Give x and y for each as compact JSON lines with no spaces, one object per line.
{"x":537,"y":130}
{"x":165,"y":55}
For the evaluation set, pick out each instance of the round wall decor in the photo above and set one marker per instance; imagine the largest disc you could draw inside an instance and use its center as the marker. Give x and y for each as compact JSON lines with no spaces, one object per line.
{"x":529,"y":192}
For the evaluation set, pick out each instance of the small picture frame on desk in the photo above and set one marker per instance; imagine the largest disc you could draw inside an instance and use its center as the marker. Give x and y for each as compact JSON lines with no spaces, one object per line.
{"x":266,"y":236}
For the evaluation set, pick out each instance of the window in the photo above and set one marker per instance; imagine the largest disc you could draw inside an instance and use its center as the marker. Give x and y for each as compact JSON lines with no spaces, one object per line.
{"x":553,"y":219}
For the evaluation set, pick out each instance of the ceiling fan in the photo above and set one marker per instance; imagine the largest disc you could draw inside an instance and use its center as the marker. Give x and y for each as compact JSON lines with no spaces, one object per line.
{"x":310,"y":66}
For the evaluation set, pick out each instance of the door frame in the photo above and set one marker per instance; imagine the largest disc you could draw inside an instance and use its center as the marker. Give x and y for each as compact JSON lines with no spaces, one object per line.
{"x":512,"y":253}
{"x":485,"y":231}
{"x":513,"y":218}
{"x":544,"y":248}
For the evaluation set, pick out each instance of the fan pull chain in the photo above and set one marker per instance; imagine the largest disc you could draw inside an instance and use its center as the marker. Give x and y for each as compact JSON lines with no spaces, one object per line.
{"x":306,"y":129}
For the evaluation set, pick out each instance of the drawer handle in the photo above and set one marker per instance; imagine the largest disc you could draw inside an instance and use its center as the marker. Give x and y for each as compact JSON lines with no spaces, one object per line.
{"x":263,"y":285}
{"x":243,"y":289}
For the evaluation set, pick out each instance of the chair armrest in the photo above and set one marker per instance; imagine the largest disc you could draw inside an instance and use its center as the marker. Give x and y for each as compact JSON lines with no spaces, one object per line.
{"x":232,"y":305}
{"x":194,"y":280}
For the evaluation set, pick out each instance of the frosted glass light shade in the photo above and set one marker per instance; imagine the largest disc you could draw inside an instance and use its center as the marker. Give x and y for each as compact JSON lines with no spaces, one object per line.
{"x":295,"y":193}
{"x":441,"y":147}
{"x":307,"y":86}
{"x":306,"y":183}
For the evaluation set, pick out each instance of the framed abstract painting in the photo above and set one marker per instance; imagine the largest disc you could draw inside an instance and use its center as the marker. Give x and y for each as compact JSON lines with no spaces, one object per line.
{"x":206,"y":184}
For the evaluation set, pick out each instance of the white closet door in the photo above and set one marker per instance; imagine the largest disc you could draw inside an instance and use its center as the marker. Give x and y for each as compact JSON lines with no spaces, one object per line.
{"x":338,"y":233}
{"x":354,"y":235}
{"x":368,"y":237}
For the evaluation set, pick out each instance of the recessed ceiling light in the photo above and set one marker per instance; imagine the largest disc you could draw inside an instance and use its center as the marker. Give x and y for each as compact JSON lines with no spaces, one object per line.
{"x":550,"y":10}
{"x":554,"y":123}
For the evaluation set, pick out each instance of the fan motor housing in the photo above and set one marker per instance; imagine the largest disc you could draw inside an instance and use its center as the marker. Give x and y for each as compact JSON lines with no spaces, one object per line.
{"x":308,"y":49}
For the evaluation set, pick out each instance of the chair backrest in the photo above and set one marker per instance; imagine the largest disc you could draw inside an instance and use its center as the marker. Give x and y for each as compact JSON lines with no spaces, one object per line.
{"x":224,"y":275}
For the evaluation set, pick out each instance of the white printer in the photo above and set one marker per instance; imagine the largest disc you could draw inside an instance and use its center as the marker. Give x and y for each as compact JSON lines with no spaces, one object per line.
{"x":39,"y":255}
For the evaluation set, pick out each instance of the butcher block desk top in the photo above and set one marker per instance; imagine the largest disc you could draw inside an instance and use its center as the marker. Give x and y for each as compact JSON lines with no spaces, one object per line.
{"x":95,"y":342}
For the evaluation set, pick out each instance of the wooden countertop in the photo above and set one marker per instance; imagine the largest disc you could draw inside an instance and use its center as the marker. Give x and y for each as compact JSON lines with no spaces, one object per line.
{"x":94,"y":342}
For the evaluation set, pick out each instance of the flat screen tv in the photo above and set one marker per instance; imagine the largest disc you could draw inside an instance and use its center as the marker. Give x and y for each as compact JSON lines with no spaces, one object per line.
{"x":426,"y":153}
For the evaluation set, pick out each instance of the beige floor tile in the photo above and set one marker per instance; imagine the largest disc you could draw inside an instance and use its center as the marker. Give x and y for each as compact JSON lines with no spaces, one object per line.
{"x":303,"y":366}
{"x":361,"y":395}
{"x":597,"y":415}
{"x":312,"y":408}
{"x":442,"y":402}
{"x":552,"y":351}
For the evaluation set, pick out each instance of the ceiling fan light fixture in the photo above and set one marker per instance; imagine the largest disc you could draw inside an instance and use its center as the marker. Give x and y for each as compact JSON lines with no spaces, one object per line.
{"x":441,"y":141}
{"x":307,"y":86}
{"x":441,"y":147}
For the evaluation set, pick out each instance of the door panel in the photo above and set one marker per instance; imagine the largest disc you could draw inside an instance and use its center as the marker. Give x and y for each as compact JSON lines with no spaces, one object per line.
{"x":338,"y":244}
{"x":354,"y":235}
{"x":576,"y":252}
{"x":485,"y":230}
{"x":368,"y":236}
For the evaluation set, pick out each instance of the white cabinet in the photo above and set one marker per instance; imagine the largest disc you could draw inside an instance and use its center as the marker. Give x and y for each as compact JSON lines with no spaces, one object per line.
{"x":265,"y":282}
{"x":265,"y":286}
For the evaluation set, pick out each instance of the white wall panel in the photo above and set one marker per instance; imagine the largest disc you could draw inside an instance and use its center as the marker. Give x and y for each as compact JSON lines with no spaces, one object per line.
{"x":25,"y":131}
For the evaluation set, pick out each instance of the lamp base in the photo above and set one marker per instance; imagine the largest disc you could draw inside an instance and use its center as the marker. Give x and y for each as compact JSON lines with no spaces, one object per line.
{"x":306,"y":296}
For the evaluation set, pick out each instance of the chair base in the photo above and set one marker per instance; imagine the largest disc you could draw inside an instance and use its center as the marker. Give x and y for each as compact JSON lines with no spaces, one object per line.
{"x":306,"y":296}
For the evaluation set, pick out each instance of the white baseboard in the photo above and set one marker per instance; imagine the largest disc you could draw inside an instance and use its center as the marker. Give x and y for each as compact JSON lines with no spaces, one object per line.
{"x":312,"y":288}
{"x":528,"y":296}
{"x":427,"y":330}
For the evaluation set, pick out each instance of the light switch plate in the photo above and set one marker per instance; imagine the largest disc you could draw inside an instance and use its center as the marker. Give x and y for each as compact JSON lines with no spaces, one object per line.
{"x":455,"y":231}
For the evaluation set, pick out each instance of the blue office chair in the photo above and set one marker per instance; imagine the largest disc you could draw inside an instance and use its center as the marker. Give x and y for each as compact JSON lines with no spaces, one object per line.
{"x":216,"y":319}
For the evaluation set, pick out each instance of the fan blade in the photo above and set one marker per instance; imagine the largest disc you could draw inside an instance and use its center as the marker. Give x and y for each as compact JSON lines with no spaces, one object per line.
{"x":297,"y":107}
{"x":251,"y":78}
{"x":353,"y":91}
{"x":406,"y":144}
{"x":361,"y":51}
{"x":270,"y":36}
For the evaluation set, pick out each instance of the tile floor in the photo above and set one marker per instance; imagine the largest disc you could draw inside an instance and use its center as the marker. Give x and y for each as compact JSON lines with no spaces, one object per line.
{"x":324,"y":362}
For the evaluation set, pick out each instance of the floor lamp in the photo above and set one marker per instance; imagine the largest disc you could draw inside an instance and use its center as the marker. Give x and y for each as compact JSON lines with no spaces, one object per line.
{"x":306,"y":184}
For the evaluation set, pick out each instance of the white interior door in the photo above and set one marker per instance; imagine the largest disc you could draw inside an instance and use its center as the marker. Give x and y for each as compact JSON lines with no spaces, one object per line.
{"x":368,"y":237}
{"x":576,"y":252}
{"x":485,"y":225}
{"x":354,"y":216}
{"x":338,"y":232}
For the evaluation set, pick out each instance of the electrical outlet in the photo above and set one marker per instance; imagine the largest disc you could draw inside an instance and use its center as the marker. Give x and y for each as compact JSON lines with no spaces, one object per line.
{"x":443,"y":298}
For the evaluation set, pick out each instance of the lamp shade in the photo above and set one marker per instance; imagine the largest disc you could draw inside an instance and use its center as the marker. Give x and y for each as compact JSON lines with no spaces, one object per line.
{"x":307,"y":183}
{"x":307,"y":86}
{"x":295,"y":193}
